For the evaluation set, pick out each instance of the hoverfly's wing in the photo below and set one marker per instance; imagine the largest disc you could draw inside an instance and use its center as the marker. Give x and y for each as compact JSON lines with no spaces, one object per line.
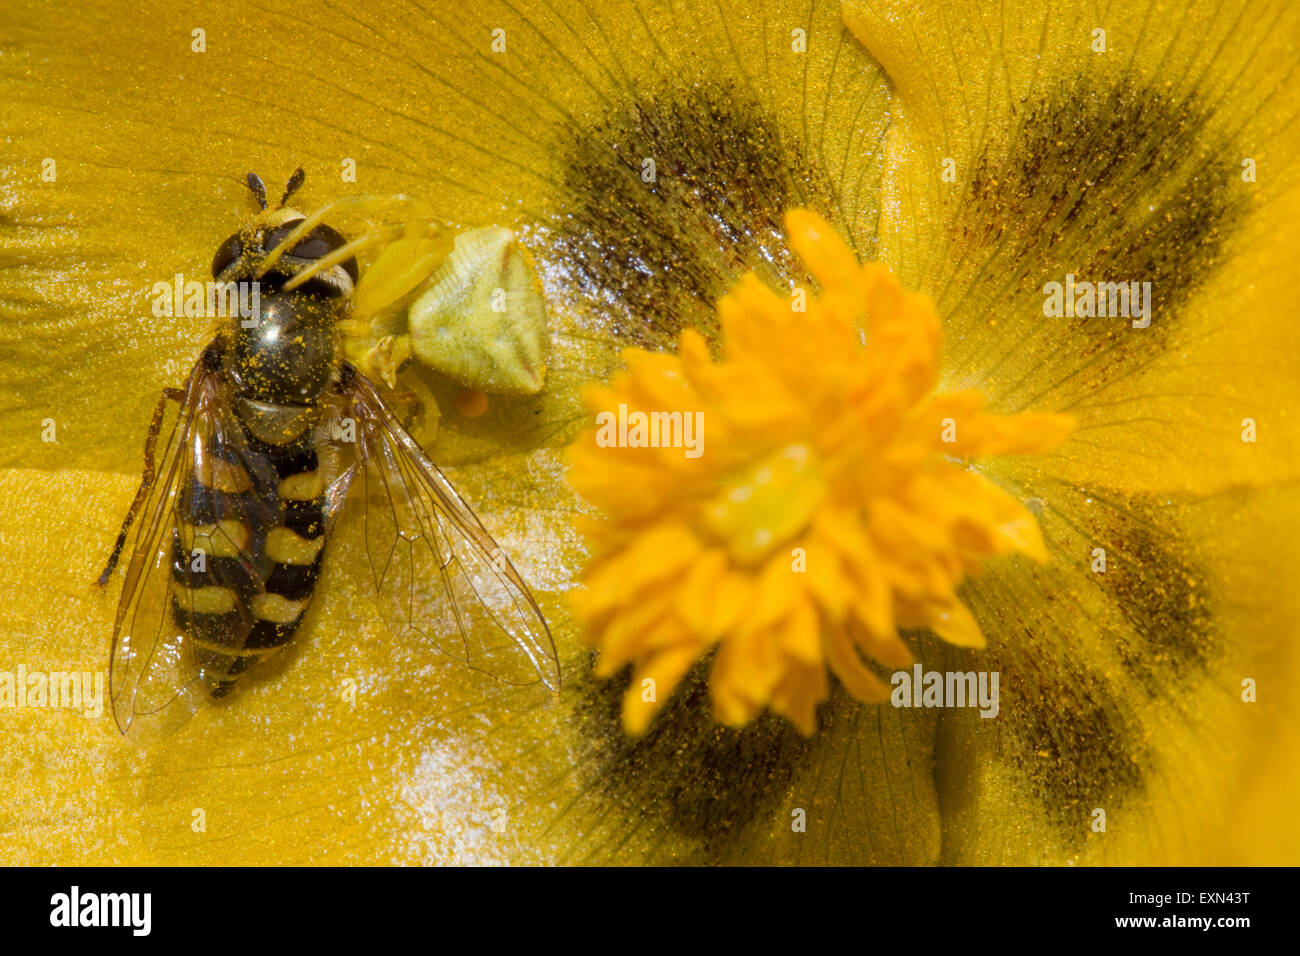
{"x":189,"y":552}
{"x":439,"y":576}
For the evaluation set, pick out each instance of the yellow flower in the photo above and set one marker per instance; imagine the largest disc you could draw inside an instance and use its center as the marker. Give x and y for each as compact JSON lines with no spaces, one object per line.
{"x":829,"y":508}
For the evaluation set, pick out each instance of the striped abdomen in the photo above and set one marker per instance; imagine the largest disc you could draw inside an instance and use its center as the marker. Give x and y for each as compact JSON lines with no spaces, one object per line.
{"x":247,"y":550}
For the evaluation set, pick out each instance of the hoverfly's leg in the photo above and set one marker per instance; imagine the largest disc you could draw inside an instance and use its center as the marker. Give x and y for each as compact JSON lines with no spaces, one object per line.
{"x":146,"y":483}
{"x":418,"y":414}
{"x":375,"y":205}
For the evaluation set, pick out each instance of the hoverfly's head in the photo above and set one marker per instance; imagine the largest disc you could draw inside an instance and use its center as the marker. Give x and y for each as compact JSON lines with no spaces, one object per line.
{"x":241,"y":256}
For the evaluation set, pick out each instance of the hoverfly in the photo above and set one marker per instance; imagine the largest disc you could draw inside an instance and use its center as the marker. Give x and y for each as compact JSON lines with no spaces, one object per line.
{"x":274,"y":430}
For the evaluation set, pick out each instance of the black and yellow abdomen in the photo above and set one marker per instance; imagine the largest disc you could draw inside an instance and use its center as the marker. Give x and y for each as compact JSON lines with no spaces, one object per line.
{"x":250,"y":535}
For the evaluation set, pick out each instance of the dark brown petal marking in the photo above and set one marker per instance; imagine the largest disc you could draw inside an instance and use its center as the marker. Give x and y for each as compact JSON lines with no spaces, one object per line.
{"x":648,"y":259}
{"x":1076,"y":744}
{"x":1160,"y":587}
{"x":1072,"y":723}
{"x":1109,"y":183}
{"x":705,"y":780}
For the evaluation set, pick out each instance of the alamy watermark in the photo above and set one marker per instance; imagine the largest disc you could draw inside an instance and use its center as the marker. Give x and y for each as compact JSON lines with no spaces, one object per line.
{"x":920,"y":688}
{"x":636,"y":429}
{"x":130,"y":910}
{"x":1129,"y":300}
{"x":195,"y":299}
{"x":57,"y":690}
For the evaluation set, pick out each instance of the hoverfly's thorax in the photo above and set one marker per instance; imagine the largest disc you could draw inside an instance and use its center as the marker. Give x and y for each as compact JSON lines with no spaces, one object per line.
{"x":286,"y":353}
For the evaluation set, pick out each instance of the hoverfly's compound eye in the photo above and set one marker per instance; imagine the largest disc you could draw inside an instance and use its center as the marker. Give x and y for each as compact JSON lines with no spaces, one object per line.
{"x":229,"y":252}
{"x":318,"y":243}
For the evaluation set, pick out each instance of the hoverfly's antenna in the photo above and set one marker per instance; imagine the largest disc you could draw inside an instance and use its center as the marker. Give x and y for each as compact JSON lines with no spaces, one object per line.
{"x":292,"y":185}
{"x":258,"y":188}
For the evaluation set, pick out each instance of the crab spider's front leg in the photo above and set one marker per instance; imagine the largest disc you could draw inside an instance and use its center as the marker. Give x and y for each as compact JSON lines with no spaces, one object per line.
{"x":479,"y":317}
{"x":411,"y":251}
{"x":410,"y":211}
{"x":402,"y":266}
{"x":469,"y":306}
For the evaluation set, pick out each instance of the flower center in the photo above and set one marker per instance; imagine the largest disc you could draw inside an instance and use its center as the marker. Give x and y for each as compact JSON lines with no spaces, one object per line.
{"x":868,"y":476}
{"x":768,"y":503}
